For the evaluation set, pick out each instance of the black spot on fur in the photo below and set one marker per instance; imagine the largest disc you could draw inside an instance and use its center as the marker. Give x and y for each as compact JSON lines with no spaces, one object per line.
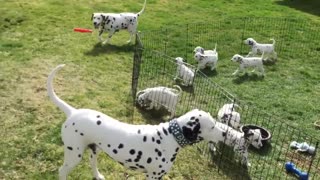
{"x":177,"y":149}
{"x":144,"y":138}
{"x":163,"y":159}
{"x":158,"y":141}
{"x":160,"y":166}
{"x":224,"y":134}
{"x":139,"y":131}
{"x":109,"y":145}
{"x":165,"y":131}
{"x":153,"y":139}
{"x":115,"y":151}
{"x":129,"y":160}
{"x":73,"y":124}
{"x":133,"y":167}
{"x":191,"y":134}
{"x":79,"y":155}
{"x":120,"y":146}
{"x":99,"y":122}
{"x":81,"y":134}
{"x":98,"y":116}
{"x":140,"y":153}
{"x":70,"y":148}
{"x":149,"y":160}
{"x":192,"y":118}
{"x":76,"y":130}
{"x":132,"y":151}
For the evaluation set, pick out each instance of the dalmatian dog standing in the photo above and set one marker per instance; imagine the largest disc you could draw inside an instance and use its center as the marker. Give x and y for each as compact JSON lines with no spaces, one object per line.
{"x":245,"y":62}
{"x":206,"y":60}
{"x":229,"y":116}
{"x":150,"y":149}
{"x":240,"y":141}
{"x":113,"y":22}
{"x":184,"y":72}
{"x":157,"y":97}
{"x":257,"y":48}
{"x":205,"y":52}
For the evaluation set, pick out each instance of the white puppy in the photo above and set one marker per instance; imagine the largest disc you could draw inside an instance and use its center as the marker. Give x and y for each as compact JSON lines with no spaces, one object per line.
{"x":184,"y":72}
{"x":113,"y":22}
{"x":205,"y":52}
{"x":240,"y":141}
{"x":257,"y":48}
{"x":229,"y":116}
{"x":245,"y":62}
{"x":204,"y":61}
{"x":157,"y":97}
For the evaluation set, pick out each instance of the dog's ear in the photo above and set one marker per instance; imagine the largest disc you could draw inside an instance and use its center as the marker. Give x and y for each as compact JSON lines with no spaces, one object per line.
{"x":191,"y":133}
{"x":92,"y":16}
{"x":202,"y":51}
{"x":247,"y":132}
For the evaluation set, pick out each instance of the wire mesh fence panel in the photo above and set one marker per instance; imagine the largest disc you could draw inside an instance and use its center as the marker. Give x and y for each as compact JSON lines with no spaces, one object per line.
{"x":155,"y":66}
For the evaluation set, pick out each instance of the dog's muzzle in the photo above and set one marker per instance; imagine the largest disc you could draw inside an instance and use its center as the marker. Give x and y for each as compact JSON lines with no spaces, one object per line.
{"x":96,"y":25}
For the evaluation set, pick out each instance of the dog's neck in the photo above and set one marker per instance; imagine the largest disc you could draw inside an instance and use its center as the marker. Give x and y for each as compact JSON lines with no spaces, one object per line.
{"x":177,"y":133}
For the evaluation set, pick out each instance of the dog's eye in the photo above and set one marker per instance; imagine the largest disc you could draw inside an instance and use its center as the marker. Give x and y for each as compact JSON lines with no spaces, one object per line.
{"x":256,"y":140}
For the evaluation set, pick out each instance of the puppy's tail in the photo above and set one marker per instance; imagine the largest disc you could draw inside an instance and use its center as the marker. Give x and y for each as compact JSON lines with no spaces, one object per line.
{"x":66,"y":108}
{"x":215,"y":48}
{"x":273,"y":41}
{"x":178,"y":89}
{"x":144,"y":6}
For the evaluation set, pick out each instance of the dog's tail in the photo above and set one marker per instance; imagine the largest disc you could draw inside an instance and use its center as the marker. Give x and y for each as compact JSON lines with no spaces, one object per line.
{"x":144,"y":6}
{"x":178,"y":88}
{"x":66,"y":108}
{"x":273,"y":42}
{"x":215,"y":48}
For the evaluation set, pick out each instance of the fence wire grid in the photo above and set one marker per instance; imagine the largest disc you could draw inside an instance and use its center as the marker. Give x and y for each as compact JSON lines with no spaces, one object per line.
{"x":154,"y":65}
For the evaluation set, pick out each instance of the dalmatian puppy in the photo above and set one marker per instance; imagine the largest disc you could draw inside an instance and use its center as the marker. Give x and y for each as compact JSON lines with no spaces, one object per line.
{"x":206,"y":52}
{"x":157,"y":97}
{"x":150,"y":149}
{"x":245,"y":62}
{"x":257,"y":48}
{"x":184,"y":72}
{"x":229,"y":116}
{"x":206,"y":60}
{"x":240,"y":141}
{"x":113,"y":22}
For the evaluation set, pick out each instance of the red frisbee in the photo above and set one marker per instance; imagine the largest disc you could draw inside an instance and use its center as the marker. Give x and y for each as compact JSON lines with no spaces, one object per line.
{"x":82,"y":30}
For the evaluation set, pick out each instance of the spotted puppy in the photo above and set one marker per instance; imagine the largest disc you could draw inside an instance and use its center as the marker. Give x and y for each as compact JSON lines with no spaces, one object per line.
{"x":229,"y":116}
{"x":245,"y":62}
{"x":209,"y":60}
{"x":257,"y":48}
{"x":240,"y":141}
{"x":150,"y":149}
{"x":184,"y":72}
{"x":157,"y":97}
{"x":113,"y":22}
{"x":205,"y":52}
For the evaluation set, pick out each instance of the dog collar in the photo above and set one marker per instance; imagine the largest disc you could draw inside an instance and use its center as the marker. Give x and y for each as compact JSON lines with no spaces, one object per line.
{"x":177,"y":133}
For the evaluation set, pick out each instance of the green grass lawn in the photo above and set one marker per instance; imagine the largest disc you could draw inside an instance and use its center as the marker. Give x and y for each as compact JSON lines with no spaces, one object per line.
{"x":37,"y":35}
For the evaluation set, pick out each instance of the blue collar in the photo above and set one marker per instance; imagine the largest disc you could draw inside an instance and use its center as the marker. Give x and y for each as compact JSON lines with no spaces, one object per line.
{"x":177,"y":133}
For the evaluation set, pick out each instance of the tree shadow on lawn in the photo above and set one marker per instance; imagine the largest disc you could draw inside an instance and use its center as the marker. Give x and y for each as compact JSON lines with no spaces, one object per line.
{"x":247,"y":77}
{"x":308,"y":6}
{"x":109,"y":49}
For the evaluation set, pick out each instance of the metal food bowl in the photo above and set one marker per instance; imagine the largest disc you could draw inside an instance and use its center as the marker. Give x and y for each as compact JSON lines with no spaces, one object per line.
{"x":266,"y":135}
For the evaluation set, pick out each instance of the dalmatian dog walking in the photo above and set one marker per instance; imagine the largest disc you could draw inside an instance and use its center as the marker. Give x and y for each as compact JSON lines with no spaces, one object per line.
{"x":184,"y":72}
{"x":157,"y":97}
{"x":228,"y":115}
{"x":240,"y":141}
{"x":245,"y":62}
{"x":209,"y":60}
{"x":113,"y":22}
{"x":150,"y":149}
{"x":257,"y":48}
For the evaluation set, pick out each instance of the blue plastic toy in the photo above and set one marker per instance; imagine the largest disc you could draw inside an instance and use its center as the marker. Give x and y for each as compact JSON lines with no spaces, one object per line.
{"x":290,"y":167}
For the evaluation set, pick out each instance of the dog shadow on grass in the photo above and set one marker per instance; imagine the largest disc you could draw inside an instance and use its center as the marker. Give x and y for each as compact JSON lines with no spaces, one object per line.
{"x":208,"y":72}
{"x":109,"y":49}
{"x":247,"y":77}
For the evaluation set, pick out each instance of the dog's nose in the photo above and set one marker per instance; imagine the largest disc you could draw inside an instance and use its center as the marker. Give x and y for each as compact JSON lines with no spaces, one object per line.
{"x":95,"y":23}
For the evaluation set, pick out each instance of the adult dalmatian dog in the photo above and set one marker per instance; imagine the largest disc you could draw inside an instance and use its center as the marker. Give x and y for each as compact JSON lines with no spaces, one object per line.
{"x":114,"y":22}
{"x":150,"y":149}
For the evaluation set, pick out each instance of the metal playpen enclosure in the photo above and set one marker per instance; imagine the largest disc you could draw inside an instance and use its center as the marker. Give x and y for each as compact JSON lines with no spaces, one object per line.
{"x":154,"y":65}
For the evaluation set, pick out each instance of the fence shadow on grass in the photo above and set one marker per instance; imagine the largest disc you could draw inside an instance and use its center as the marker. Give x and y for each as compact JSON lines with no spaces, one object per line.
{"x":109,"y":49}
{"x":311,"y":6}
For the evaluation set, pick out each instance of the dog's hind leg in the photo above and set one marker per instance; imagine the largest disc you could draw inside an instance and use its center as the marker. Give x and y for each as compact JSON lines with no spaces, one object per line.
{"x":72,"y":157}
{"x":109,"y":37}
{"x":94,"y":151}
